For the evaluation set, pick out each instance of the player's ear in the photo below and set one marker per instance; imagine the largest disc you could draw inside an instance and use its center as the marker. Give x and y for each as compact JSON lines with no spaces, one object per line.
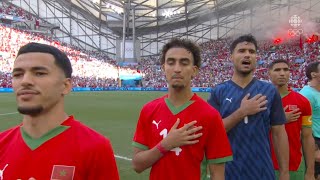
{"x":195,"y":71}
{"x":67,"y":86}
{"x":162,"y":67}
{"x":231,"y":57}
{"x":313,"y":75}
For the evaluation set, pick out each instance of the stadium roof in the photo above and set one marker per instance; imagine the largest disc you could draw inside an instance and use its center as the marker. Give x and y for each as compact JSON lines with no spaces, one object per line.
{"x":98,"y":24}
{"x":154,"y":16}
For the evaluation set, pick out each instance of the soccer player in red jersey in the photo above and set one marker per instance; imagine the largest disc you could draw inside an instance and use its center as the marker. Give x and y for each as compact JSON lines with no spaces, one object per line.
{"x":49,"y":144}
{"x":176,"y":131}
{"x":298,"y":127}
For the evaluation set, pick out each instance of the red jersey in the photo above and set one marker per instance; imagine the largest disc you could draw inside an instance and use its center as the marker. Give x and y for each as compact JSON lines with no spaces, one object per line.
{"x":155,"y":121}
{"x":295,"y":100}
{"x":70,"y":151}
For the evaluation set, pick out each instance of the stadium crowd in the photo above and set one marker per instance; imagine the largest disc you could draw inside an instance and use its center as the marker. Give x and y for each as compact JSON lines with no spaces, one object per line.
{"x":90,"y":69}
{"x":8,"y":9}
{"x":94,"y":69}
{"x":216,"y":66}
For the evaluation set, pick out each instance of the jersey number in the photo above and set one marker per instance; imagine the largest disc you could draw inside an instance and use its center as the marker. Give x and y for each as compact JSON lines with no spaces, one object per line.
{"x":177,"y":150}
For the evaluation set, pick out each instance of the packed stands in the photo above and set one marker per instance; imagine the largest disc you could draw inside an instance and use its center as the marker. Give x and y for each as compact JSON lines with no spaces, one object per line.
{"x":8,"y":9}
{"x":89,"y":69}
{"x":93,"y":69}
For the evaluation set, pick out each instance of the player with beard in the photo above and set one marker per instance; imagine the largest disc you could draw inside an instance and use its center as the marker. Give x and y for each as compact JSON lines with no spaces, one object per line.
{"x":175,"y":131}
{"x":298,"y":126}
{"x":49,"y":144}
{"x":250,"y":108}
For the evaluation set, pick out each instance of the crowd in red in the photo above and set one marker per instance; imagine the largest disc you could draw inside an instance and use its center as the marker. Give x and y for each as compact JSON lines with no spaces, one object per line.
{"x":97,"y":70}
{"x":8,"y":9}
{"x":217,"y":67}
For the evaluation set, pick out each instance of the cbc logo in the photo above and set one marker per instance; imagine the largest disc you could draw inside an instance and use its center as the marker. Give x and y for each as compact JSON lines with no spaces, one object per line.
{"x":295,"y":21}
{"x":295,"y":32}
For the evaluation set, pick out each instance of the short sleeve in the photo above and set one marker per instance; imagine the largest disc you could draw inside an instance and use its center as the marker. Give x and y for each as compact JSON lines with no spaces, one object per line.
{"x":306,"y":113}
{"x":140,"y":138}
{"x":213,"y":100}
{"x":277,"y":114}
{"x":308,"y":96}
{"x":218,"y":149}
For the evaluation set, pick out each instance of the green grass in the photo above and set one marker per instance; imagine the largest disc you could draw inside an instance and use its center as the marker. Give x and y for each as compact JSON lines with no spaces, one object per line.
{"x":113,"y":114}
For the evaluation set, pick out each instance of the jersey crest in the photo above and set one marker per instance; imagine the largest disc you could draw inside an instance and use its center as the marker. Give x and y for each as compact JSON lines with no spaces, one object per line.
{"x":63,"y":172}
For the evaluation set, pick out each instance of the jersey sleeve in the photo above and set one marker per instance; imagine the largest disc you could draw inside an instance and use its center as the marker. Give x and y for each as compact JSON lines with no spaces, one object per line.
{"x":102,"y":164}
{"x":218,"y":149}
{"x":213,"y":100}
{"x":277,"y":114}
{"x":307,"y":95}
{"x":140,"y":138}
{"x":306,"y":113}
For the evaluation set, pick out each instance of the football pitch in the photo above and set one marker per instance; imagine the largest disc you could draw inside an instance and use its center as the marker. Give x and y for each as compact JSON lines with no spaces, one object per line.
{"x":113,"y":114}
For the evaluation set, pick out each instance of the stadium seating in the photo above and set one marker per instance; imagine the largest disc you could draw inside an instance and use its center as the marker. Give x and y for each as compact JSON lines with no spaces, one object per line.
{"x":14,"y":11}
{"x":92,"y":69}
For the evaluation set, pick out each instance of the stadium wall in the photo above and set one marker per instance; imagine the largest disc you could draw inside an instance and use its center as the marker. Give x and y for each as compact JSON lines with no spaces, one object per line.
{"x":80,"y":89}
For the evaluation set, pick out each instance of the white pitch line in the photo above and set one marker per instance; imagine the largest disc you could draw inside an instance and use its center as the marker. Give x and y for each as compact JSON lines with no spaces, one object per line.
{"x":5,"y":114}
{"x":121,"y":157}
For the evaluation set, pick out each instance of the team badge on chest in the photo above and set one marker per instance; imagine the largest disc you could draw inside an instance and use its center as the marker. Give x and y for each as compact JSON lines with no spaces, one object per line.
{"x":63,"y":172}
{"x":292,"y":107}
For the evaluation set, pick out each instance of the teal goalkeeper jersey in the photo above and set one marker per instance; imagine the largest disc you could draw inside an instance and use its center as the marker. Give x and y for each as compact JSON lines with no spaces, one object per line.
{"x":314,"y":97}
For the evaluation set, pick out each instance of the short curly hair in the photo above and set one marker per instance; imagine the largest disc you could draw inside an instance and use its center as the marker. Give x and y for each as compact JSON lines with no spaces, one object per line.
{"x":182,"y":43}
